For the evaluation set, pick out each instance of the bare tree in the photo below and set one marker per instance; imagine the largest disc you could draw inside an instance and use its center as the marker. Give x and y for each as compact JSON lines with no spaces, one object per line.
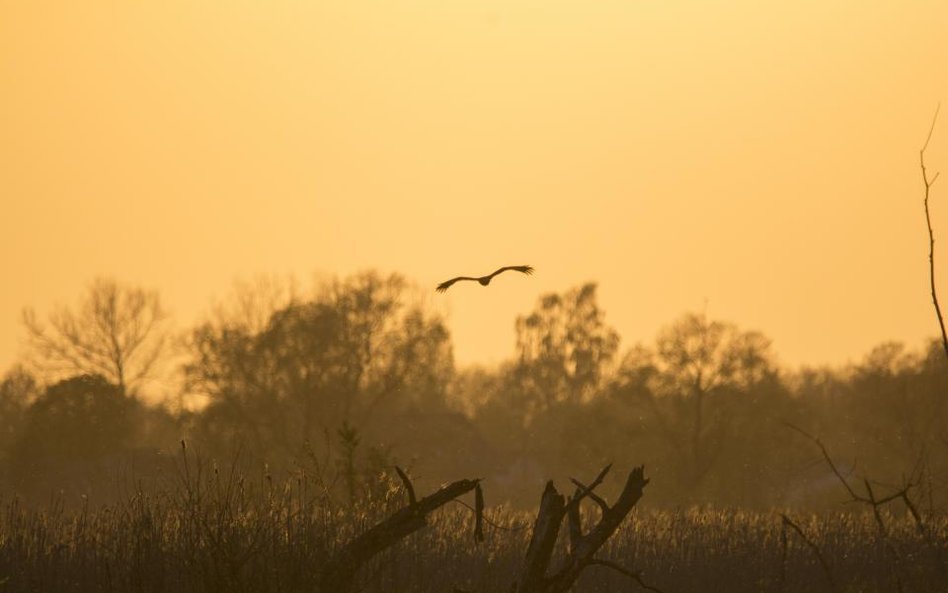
{"x":931,"y":236}
{"x":877,"y":502}
{"x":118,"y":332}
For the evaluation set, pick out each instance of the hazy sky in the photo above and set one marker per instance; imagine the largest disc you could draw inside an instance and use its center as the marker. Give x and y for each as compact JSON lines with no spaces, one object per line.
{"x":758,"y":159}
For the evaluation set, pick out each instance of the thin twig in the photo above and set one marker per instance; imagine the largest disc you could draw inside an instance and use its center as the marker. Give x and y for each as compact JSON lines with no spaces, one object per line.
{"x":489,"y":522}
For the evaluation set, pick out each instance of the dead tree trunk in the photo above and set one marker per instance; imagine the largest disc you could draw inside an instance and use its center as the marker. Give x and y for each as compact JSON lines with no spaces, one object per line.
{"x":536,"y":576}
{"x":339,"y":573}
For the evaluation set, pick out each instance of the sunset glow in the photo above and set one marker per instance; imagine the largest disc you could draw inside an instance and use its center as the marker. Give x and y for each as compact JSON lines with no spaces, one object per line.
{"x":755,"y":160}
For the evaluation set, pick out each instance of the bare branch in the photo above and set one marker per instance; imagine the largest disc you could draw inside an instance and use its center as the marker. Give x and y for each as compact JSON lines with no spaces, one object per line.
{"x":408,"y":487}
{"x":828,"y":459}
{"x":588,"y":490}
{"x":583,"y":490}
{"x":816,"y":550}
{"x":919,"y":525}
{"x":901,"y":493}
{"x":519,"y":527}
{"x":931,"y":128}
{"x":931,"y":235}
{"x":875,"y":508}
{"x":575,"y":524}
{"x":478,"y":513}
{"x":340,"y":571}
{"x":585,"y":547}
{"x":870,"y":499}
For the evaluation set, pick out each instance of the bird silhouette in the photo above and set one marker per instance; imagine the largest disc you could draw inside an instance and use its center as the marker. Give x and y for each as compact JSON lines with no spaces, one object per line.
{"x":484,"y":280}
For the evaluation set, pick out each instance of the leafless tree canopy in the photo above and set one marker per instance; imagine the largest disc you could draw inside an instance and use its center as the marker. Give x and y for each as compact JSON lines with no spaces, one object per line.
{"x":117,"y":331}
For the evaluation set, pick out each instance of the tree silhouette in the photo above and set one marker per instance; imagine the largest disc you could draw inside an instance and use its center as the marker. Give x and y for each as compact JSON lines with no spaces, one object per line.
{"x":118,"y":332}
{"x":353,"y":353}
{"x":689,"y":383}
{"x":71,"y":427}
{"x":18,"y":390}
{"x":564,"y":347}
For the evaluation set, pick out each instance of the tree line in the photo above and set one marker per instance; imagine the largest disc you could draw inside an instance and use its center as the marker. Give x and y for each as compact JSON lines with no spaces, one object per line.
{"x":343,"y":382}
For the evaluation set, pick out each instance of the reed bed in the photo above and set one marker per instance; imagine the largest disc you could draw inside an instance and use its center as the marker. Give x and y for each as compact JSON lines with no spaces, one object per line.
{"x":213,"y":530}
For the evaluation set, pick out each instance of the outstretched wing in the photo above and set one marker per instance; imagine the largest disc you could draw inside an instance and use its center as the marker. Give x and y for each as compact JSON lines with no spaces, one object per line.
{"x":525,"y":269}
{"x":447,"y":284}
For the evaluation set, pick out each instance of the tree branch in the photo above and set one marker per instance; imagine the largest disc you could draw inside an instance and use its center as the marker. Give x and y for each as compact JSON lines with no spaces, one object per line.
{"x":931,"y":236}
{"x":828,"y":459}
{"x":340,"y":571}
{"x":408,"y":487}
{"x":585,"y":491}
{"x":816,"y":550}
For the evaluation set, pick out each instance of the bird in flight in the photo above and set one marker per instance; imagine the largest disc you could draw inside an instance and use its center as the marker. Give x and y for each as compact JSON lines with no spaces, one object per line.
{"x":484,"y":280}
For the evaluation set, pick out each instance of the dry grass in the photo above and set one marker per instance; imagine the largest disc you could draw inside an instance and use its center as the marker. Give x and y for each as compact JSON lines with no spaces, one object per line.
{"x":213,"y":530}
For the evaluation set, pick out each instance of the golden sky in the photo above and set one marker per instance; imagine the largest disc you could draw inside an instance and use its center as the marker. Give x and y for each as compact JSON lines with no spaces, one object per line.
{"x":752,"y":158}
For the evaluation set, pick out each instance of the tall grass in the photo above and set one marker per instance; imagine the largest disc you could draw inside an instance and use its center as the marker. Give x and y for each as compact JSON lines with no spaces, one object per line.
{"x":213,"y":529}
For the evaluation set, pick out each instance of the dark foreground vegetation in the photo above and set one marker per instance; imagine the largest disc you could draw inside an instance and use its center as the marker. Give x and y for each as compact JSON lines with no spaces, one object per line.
{"x":211,"y":529}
